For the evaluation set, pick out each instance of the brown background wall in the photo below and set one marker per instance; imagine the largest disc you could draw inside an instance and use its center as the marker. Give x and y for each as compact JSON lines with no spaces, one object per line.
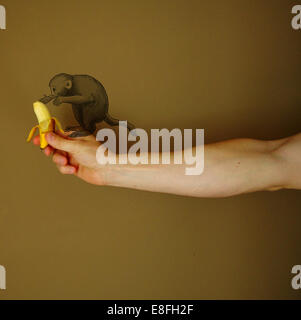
{"x":231,"y":67}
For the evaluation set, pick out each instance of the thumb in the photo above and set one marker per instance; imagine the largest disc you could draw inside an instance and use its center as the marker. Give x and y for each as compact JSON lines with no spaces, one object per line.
{"x":63,"y":144}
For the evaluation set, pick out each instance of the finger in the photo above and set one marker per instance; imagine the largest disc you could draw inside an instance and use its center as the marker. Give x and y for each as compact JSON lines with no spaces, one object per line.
{"x":48,"y":151}
{"x":90,"y":137}
{"x":63,"y":153}
{"x":63,"y":135}
{"x":36,"y":140}
{"x":59,"y":159}
{"x":66,"y":169}
{"x":61,"y":143}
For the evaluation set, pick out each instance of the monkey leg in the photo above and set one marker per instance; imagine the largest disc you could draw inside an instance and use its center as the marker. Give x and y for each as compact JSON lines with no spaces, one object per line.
{"x":72,"y":128}
{"x":77,"y":134}
{"x":89,"y":130}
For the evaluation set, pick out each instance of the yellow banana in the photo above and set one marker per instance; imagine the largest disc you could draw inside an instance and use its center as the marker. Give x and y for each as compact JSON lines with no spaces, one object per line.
{"x":46,"y":123}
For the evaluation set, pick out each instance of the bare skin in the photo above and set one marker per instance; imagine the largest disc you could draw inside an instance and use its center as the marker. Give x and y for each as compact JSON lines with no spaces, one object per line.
{"x":231,"y":167}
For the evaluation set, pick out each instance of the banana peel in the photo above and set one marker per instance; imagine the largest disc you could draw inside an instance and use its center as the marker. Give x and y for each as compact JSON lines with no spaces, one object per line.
{"x":46,"y":123}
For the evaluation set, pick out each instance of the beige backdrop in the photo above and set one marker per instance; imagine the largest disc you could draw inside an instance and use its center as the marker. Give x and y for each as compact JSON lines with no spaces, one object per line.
{"x":230,"y":67}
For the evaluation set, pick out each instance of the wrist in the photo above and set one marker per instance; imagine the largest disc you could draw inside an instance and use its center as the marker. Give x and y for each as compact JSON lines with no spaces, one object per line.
{"x":274,"y":167}
{"x":105,"y":175}
{"x":288,"y":154}
{"x":282,"y":167}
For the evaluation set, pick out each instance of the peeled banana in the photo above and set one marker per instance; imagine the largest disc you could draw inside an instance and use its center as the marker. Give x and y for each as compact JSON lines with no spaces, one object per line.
{"x":46,"y":123}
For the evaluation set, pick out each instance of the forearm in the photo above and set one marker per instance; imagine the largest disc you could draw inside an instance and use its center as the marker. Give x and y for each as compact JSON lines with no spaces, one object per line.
{"x":76,"y":99}
{"x":231,"y":167}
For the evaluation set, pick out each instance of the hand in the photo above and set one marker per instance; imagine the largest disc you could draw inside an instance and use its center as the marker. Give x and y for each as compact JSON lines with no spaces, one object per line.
{"x":57,"y":101}
{"x":75,"y":156}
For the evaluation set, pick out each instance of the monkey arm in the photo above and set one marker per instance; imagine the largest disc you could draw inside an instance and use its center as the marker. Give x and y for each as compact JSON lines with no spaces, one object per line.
{"x":77,"y":99}
{"x":47,"y":99}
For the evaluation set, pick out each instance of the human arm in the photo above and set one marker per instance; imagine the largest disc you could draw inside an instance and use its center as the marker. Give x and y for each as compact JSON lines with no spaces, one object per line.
{"x":231,"y":167}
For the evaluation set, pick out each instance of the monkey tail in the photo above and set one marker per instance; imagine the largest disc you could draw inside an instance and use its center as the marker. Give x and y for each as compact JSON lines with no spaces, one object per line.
{"x":114,"y":122}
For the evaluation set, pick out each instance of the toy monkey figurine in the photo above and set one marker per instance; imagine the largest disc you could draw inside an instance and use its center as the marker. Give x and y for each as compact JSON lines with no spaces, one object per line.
{"x":89,"y":101}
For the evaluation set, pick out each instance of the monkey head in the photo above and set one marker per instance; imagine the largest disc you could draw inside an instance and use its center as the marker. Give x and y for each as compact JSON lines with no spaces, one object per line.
{"x":61,"y":84}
